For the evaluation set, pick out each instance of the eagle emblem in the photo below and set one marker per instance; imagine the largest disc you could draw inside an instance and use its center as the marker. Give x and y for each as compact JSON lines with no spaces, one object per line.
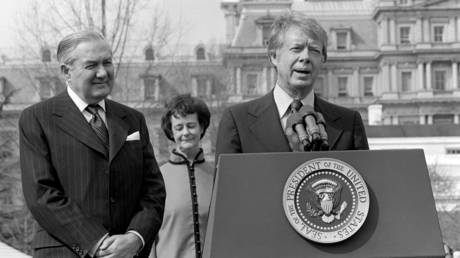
{"x":324,"y":200}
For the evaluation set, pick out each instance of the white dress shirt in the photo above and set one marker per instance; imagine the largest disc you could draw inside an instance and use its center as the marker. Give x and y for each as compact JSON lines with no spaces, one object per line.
{"x":81,"y":104}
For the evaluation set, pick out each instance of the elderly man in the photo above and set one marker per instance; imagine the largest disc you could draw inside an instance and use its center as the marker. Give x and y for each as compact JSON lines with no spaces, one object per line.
{"x":297,"y":50}
{"x":89,"y":174}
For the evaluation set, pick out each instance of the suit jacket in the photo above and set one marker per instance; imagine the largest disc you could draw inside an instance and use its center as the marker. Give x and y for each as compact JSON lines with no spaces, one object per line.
{"x":255,"y":126}
{"x":76,"y":189}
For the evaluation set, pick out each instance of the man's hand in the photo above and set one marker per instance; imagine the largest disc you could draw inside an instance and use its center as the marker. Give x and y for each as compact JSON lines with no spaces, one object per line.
{"x":119,"y":246}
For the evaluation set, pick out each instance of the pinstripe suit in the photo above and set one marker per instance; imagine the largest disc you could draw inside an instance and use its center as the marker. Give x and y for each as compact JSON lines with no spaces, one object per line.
{"x":76,"y":189}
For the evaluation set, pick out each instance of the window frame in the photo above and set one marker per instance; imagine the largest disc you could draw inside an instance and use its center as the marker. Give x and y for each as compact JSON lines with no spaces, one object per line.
{"x":366,"y":91}
{"x":404,"y":87}
{"x":342,"y":92}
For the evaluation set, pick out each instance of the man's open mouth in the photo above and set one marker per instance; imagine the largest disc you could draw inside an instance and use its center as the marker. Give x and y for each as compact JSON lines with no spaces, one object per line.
{"x":303,"y":71}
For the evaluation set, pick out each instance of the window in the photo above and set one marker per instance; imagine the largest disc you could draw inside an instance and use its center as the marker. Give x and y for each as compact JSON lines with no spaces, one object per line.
{"x":202,"y":85}
{"x":46,"y":55}
{"x":368,"y":82}
{"x":264,"y":24}
{"x":403,"y":2}
{"x":251,"y":83}
{"x":266,"y":29}
{"x":49,"y":86}
{"x":438,"y":33}
{"x":439,"y":80}
{"x":200,"y":53}
{"x":409,"y":120}
{"x":152,"y":87}
{"x":406,"y":81}
{"x":443,"y":119}
{"x":149,"y":54}
{"x":46,"y":89}
{"x":342,"y":86}
{"x":201,"y":82}
{"x":342,"y":40}
{"x":404,"y":35}
{"x":453,"y":151}
{"x":319,"y":86}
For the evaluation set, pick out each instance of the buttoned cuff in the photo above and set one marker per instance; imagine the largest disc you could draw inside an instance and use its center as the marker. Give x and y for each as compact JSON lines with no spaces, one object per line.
{"x":93,"y":250}
{"x":140,"y":237}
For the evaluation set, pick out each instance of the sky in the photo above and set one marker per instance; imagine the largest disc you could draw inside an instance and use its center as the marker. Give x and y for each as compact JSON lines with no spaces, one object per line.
{"x":203,"y":19}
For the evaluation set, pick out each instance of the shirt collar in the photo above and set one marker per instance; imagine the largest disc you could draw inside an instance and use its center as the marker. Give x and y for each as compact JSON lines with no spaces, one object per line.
{"x":283,"y":100}
{"x":81,"y":104}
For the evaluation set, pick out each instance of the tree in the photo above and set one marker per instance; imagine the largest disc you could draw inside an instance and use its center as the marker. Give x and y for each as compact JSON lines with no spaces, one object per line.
{"x":444,"y":191}
{"x":41,"y":25}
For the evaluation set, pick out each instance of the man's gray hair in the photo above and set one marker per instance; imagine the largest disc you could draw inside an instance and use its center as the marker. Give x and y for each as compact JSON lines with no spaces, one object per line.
{"x":310,"y":26}
{"x":71,"y":41}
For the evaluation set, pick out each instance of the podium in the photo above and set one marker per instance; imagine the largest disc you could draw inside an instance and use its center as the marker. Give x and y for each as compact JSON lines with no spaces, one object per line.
{"x":247,"y":218}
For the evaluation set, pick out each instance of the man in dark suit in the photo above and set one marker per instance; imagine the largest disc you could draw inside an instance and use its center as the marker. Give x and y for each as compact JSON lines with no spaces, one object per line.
{"x":89,"y":174}
{"x":297,"y":49}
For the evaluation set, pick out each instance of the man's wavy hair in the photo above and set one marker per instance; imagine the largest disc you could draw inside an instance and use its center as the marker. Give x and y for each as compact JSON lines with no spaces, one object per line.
{"x":295,"y":19}
{"x":71,"y":41}
{"x":181,"y":106}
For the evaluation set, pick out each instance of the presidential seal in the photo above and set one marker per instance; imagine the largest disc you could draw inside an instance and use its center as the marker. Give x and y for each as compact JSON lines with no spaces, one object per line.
{"x":326,"y":200}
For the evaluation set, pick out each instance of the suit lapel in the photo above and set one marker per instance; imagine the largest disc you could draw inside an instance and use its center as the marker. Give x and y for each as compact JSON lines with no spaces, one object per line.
{"x":265,"y":124}
{"x":118,"y":128}
{"x":334,"y":128}
{"x":72,"y":121}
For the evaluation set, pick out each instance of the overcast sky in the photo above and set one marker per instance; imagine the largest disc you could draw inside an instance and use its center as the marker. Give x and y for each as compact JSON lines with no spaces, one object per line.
{"x":203,"y":18}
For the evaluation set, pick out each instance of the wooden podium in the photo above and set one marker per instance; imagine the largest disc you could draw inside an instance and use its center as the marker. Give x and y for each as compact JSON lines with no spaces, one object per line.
{"x":247,"y":218}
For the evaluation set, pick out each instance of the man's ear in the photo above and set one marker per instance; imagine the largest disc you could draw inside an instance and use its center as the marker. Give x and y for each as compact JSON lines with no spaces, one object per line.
{"x":272,"y":56}
{"x":65,"y":71}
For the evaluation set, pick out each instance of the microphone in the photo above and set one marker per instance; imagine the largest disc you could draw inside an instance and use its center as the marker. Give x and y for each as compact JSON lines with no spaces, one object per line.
{"x":303,"y":136}
{"x":297,"y":123}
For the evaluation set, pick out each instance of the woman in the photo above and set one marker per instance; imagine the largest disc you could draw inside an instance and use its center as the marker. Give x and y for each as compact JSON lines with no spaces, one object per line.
{"x":188,"y":180}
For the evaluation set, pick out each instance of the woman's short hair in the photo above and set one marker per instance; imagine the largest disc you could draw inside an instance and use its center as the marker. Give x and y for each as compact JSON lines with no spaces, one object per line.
{"x":310,"y":26}
{"x":71,"y":41}
{"x":183,"y":105}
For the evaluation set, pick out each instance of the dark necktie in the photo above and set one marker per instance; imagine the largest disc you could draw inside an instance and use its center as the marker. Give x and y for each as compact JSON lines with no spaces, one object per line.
{"x":292,"y":137}
{"x":97,"y":124}
{"x":295,"y":105}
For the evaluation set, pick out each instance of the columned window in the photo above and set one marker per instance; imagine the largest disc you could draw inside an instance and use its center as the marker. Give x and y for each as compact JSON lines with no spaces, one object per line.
{"x":263,"y":25}
{"x":341,"y":38}
{"x":152,"y":87}
{"x":342,"y":83}
{"x":252,"y":82}
{"x":438,"y":33}
{"x":404,"y":35}
{"x":406,"y":81}
{"x":49,"y":86}
{"x":203,"y":85}
{"x":368,"y":86}
{"x":439,"y":80}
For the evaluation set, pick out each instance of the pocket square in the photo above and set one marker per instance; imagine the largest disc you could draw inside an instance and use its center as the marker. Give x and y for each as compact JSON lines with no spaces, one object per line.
{"x":133,"y":137}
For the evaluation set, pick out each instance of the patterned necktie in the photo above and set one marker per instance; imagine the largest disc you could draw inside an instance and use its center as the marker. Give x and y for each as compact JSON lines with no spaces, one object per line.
{"x":97,"y":124}
{"x":292,"y":137}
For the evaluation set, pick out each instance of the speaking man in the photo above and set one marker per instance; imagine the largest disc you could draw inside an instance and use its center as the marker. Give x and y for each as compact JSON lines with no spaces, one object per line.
{"x":89,"y":174}
{"x":291,"y":117}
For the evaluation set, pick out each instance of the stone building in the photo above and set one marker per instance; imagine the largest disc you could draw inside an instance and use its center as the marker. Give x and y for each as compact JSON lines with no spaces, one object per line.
{"x":398,"y":57}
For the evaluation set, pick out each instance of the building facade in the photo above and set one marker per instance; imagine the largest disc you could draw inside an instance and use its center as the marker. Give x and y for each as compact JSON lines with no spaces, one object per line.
{"x":396,"y":61}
